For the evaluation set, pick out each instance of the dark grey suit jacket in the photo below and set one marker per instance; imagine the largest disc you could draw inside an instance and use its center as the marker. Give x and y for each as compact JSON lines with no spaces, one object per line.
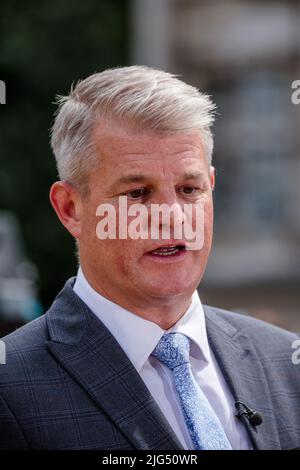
{"x":67,"y":383}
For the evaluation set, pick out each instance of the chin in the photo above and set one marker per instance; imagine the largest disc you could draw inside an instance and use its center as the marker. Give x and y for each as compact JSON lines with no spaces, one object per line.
{"x":167,"y":288}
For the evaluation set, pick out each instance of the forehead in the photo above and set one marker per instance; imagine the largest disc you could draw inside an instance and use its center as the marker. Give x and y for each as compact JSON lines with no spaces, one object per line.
{"x":124,"y":146}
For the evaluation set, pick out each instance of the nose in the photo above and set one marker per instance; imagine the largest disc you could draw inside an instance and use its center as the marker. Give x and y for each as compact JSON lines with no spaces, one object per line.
{"x":166,"y":215}
{"x":166,"y":195}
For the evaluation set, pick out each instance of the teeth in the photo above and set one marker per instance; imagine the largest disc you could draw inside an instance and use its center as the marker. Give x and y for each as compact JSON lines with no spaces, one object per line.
{"x":167,"y":248}
{"x":166,"y":251}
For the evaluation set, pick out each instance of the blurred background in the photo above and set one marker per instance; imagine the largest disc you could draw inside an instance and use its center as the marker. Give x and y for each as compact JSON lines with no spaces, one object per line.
{"x":246,"y":54}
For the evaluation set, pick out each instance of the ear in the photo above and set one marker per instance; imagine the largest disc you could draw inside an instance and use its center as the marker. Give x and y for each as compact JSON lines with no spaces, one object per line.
{"x":212,"y":176}
{"x":66,"y":202}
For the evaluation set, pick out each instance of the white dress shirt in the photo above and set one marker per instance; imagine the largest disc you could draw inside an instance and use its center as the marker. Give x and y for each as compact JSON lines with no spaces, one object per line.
{"x":138,"y":338}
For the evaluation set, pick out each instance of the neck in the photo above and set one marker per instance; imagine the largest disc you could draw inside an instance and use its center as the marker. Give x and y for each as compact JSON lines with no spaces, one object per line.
{"x":164,"y":311}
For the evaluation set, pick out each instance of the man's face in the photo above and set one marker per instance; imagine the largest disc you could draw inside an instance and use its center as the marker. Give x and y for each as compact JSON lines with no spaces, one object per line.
{"x":147,"y":168}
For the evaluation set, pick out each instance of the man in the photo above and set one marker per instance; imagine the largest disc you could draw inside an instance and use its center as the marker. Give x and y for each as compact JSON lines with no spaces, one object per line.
{"x":127,"y":357}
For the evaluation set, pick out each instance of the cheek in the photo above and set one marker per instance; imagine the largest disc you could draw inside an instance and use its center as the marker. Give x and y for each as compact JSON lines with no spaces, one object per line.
{"x":89,"y":222}
{"x":208,"y":212}
{"x":205,"y":227}
{"x":202,"y":218}
{"x":123,"y":253}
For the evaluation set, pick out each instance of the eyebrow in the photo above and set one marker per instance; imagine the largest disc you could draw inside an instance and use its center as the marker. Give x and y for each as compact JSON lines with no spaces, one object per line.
{"x":131,"y":179}
{"x":139,"y":178}
{"x":189,"y":175}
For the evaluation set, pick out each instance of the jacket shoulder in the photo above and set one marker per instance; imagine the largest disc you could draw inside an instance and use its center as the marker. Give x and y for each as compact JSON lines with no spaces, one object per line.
{"x":25,"y":349}
{"x":33,"y":333}
{"x":265,"y":336}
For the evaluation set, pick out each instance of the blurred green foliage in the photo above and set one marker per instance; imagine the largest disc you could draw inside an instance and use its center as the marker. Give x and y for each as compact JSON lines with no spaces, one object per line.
{"x":44,"y":47}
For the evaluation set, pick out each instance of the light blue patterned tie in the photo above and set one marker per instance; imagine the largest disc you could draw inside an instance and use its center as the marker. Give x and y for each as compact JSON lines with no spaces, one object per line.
{"x":204,"y":427}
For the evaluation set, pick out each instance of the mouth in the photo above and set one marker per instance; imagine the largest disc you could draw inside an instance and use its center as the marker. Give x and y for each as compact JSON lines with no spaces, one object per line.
{"x":167,"y":251}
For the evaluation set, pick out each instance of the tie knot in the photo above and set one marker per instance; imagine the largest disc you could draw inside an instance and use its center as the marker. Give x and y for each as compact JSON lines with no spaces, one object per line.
{"x":173,"y":350}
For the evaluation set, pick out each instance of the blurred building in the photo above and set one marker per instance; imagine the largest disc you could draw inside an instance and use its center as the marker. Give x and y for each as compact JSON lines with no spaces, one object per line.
{"x":246,"y":55}
{"x":19,"y":302}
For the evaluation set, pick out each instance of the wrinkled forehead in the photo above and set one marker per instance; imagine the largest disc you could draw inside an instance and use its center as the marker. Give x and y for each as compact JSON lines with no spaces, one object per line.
{"x":127,"y":159}
{"x":114,"y":139}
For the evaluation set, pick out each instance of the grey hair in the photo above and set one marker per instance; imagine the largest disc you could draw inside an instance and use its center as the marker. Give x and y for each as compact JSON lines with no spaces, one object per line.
{"x":145,"y":98}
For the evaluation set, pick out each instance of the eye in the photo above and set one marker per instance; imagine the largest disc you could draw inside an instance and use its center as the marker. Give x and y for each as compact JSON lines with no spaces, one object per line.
{"x":137,"y":193}
{"x":189,"y":190}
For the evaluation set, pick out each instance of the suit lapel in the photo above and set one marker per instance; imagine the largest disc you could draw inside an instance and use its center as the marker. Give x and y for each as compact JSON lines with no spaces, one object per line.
{"x":92,"y":356}
{"x":244,"y":374}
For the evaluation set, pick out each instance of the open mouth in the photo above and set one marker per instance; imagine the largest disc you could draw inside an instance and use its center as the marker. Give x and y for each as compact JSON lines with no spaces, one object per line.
{"x":164,"y":251}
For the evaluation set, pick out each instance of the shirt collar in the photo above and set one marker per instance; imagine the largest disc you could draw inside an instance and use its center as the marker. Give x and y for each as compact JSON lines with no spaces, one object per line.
{"x":138,"y":336}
